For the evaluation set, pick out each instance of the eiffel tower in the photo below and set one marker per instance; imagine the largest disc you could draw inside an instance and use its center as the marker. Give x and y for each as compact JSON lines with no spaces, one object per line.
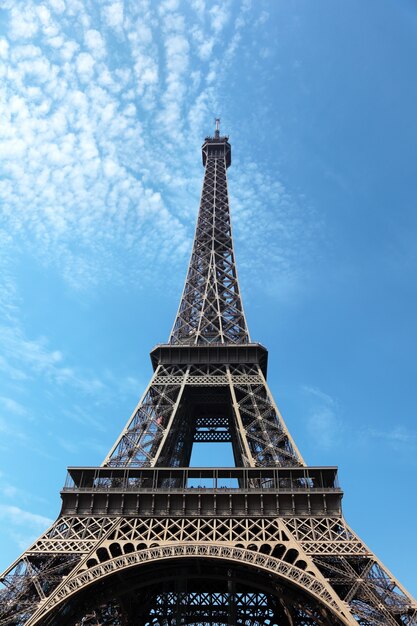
{"x":147,"y":540}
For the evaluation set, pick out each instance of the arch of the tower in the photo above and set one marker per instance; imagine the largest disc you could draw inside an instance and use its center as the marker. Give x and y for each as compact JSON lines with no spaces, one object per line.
{"x":200,"y":585}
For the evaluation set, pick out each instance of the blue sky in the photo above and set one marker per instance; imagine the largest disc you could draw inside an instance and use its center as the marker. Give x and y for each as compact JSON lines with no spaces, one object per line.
{"x":104,"y":106}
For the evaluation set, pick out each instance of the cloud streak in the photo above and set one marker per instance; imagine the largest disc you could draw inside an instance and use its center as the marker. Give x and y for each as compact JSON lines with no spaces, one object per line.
{"x":22,"y":527}
{"x":323,"y":421}
{"x":20,"y":517}
{"x":398,"y":437}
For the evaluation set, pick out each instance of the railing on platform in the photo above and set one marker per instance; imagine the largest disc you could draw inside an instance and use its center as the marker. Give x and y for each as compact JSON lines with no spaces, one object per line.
{"x":95,"y":479}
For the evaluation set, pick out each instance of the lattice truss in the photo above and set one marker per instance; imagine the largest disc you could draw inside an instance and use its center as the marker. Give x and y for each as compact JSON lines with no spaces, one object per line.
{"x":211,"y":608}
{"x":321,"y":552}
{"x":234,"y":607}
{"x":162,"y":429}
{"x":211,"y":308}
{"x":243,"y":609}
{"x":375,"y":597}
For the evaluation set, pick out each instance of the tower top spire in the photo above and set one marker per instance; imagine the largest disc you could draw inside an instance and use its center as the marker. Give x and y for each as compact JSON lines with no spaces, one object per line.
{"x":217,"y":145}
{"x":211,"y":309}
{"x":217,"y":131}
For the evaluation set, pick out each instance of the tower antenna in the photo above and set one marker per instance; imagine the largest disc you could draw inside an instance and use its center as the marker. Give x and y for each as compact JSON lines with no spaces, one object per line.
{"x":217,"y":131}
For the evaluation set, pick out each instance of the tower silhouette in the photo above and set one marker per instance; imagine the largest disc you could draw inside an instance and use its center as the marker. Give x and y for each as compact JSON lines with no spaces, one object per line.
{"x":145,"y":539}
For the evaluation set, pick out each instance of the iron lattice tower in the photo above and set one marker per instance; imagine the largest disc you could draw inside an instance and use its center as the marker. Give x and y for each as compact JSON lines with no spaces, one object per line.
{"x":144,"y":539}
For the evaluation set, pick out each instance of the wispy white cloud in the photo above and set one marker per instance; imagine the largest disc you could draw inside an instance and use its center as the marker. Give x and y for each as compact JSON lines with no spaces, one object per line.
{"x":58,"y":6}
{"x":219,"y":15}
{"x":199,"y":7}
{"x":328,"y":429}
{"x":11,"y":406}
{"x":263,"y":18}
{"x":35,"y":357}
{"x":20,"y":517}
{"x":6,"y":488}
{"x":10,"y":431}
{"x":398,"y":437}
{"x":323,"y":421}
{"x":20,"y":526}
{"x":10,"y":491}
{"x":113,"y":14}
{"x":95,"y":43}
{"x":23,"y":25}
{"x":85,"y":67}
{"x":319,"y":394}
{"x":282,"y":229}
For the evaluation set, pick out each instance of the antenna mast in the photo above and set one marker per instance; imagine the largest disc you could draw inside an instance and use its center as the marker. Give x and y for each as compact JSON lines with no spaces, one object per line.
{"x":217,"y":131}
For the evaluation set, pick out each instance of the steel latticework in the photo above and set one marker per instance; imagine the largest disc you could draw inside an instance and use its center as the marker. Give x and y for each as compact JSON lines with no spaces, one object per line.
{"x":147,"y":540}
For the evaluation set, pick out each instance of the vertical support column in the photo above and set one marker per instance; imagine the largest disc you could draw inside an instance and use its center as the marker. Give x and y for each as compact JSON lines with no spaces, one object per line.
{"x":231,"y":599}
